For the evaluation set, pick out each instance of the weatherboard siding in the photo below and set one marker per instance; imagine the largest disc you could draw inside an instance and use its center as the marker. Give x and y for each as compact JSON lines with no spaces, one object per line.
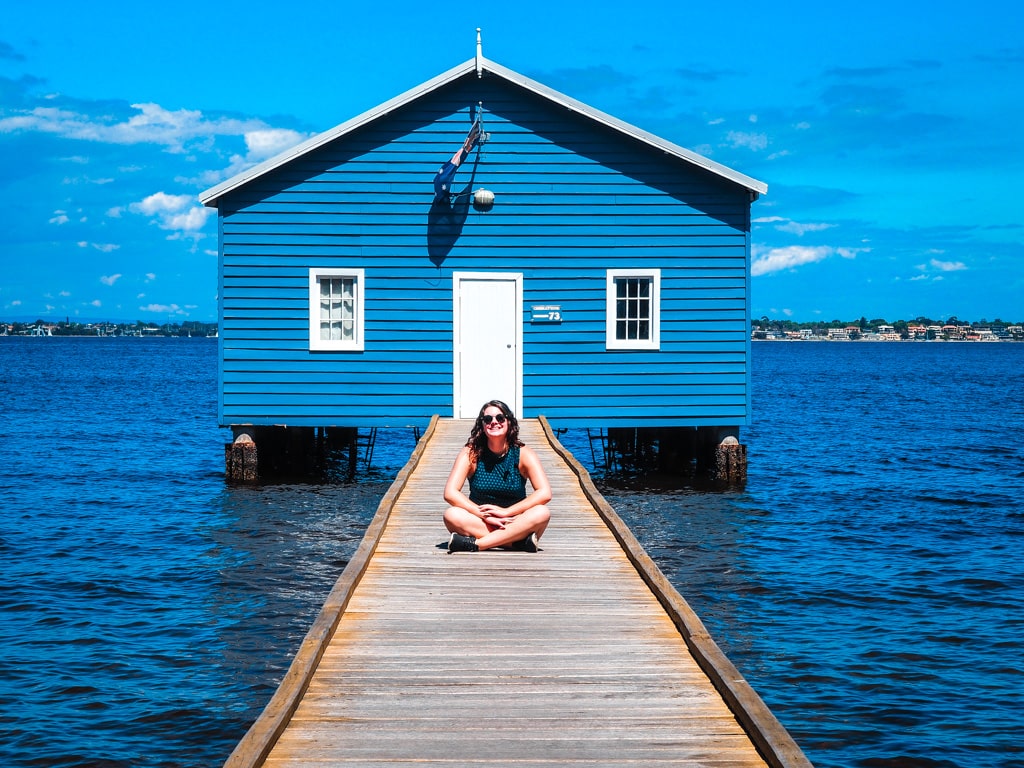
{"x":573,"y":199}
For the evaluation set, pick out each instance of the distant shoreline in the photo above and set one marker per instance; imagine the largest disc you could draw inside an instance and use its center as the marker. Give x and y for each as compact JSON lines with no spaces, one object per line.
{"x":94,"y":336}
{"x":819,"y":339}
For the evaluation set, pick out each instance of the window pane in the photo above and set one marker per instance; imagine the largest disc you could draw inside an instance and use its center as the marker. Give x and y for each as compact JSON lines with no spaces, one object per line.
{"x":633,"y":308}
{"x":337,"y":308}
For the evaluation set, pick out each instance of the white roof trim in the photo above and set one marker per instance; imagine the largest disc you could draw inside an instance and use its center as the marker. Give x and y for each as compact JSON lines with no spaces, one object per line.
{"x":210,"y":196}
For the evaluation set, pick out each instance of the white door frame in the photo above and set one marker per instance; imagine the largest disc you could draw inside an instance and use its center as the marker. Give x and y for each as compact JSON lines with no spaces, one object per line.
{"x":457,"y":278}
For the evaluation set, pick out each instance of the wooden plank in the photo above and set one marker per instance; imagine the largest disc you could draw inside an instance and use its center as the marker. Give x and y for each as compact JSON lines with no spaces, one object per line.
{"x":563,"y":657}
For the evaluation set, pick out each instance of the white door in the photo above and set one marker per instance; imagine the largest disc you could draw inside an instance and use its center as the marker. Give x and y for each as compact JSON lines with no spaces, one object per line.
{"x":488,"y":340}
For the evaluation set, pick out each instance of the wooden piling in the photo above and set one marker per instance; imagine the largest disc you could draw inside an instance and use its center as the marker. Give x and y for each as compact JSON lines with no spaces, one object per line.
{"x":241,"y":460}
{"x":731,"y":462}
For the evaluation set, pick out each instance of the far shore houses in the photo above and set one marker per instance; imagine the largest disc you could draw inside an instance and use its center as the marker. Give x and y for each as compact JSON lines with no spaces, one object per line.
{"x":911,"y":332}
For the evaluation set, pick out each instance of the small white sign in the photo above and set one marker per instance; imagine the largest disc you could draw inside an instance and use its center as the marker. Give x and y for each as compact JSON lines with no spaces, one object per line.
{"x":546,"y":313}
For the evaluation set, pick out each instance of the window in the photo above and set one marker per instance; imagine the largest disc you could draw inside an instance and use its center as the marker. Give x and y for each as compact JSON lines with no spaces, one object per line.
{"x":633,"y":309}
{"x":336,"y":309}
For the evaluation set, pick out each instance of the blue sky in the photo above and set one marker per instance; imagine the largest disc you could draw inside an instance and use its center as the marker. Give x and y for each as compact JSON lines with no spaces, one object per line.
{"x":889,"y":133}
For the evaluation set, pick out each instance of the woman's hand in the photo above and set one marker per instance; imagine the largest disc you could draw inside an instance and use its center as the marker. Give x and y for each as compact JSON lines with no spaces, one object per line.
{"x":494,"y":516}
{"x":492,"y":510}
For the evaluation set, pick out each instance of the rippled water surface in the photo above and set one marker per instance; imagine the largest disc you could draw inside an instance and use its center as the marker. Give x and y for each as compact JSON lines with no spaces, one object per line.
{"x":867,"y":581}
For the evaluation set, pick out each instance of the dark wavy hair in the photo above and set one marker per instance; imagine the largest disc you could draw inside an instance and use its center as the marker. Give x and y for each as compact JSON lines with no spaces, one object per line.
{"x":478,"y":438}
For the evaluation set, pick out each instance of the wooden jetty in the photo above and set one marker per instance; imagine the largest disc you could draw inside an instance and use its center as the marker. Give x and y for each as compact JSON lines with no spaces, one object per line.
{"x":582,"y":654}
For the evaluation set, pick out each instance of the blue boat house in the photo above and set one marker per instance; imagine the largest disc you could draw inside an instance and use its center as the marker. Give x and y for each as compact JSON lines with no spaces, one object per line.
{"x":483,"y":236}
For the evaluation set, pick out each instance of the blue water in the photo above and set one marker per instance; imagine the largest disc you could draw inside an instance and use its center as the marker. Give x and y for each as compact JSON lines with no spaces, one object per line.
{"x":868,"y":580}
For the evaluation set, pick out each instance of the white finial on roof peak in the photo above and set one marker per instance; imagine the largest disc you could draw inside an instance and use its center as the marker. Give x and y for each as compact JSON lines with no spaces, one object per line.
{"x":479,"y":54}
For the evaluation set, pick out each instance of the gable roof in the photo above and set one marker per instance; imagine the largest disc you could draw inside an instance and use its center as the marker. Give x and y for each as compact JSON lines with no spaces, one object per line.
{"x":478,"y":66}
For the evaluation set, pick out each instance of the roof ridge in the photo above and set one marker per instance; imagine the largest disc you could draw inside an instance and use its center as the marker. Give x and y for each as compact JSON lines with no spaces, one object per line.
{"x":477,"y":63}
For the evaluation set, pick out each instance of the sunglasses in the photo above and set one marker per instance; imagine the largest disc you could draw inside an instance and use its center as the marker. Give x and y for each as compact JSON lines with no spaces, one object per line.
{"x":498,"y":417}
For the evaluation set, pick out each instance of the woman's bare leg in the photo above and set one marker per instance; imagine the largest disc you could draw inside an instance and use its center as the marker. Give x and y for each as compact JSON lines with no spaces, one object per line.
{"x":534,"y":520}
{"x":458,"y":520}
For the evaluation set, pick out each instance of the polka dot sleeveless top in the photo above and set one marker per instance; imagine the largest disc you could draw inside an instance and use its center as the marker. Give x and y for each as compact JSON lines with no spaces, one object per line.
{"x":497,"y":479}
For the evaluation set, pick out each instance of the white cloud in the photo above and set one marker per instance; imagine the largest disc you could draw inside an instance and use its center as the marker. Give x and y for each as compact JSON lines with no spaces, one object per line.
{"x":150,"y":277}
{"x":103,"y":247}
{"x":60,"y":217}
{"x":851,"y":253}
{"x":152,"y":124}
{"x":261,"y":145}
{"x":769,"y":260}
{"x":179,"y":213}
{"x":191,"y":220}
{"x":948,"y":266}
{"x":164,"y":309}
{"x":792,"y":227}
{"x":110,"y":279}
{"x":95,"y":303}
{"x":792,"y":256}
{"x":796,"y":228}
{"x":937,"y":265}
{"x":752,"y":141}
{"x":160,"y":203}
{"x":266,"y":143}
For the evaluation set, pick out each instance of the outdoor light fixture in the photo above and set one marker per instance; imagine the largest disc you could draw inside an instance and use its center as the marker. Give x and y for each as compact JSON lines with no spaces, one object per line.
{"x":483,"y":199}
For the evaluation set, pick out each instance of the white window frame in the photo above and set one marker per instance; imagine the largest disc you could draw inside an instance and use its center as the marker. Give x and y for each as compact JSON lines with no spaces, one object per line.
{"x":316,"y":274}
{"x":654,"y":339}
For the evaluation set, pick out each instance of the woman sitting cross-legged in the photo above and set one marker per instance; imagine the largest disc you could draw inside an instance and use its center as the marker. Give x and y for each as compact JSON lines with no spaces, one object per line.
{"x":498,"y":513}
